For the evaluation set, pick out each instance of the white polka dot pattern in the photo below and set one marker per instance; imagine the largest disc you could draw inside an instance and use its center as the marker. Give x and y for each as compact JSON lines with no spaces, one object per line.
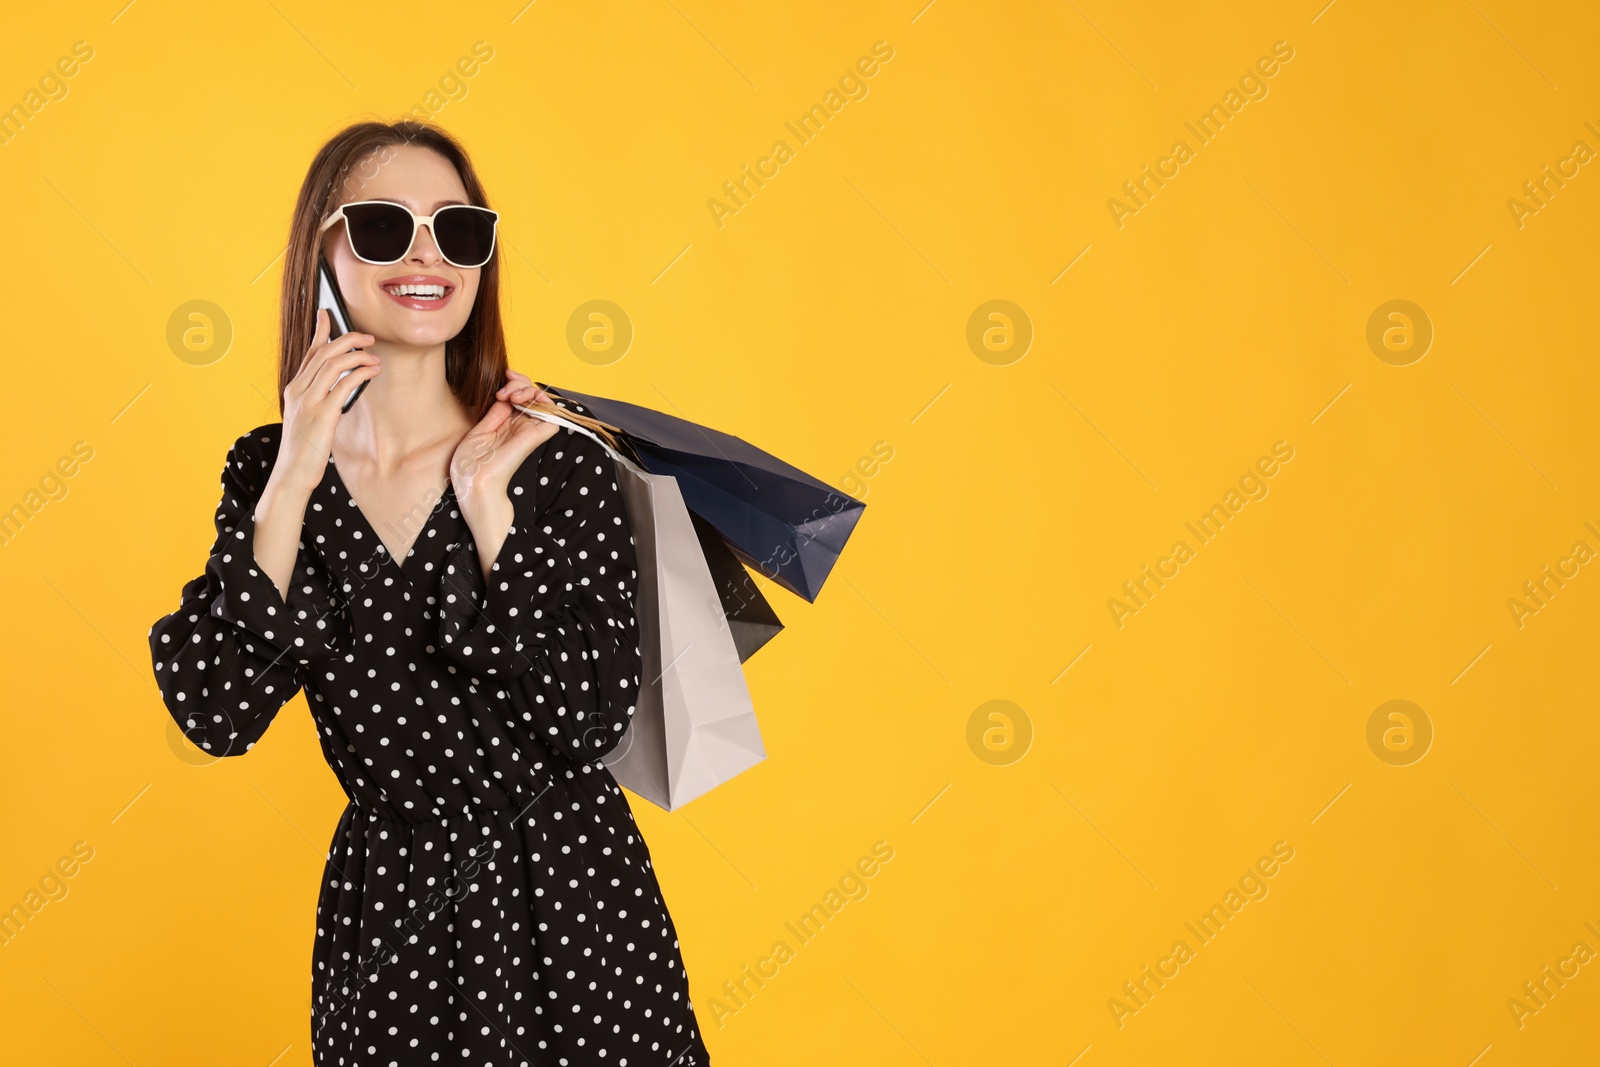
{"x":555,"y":627}
{"x":488,"y":899}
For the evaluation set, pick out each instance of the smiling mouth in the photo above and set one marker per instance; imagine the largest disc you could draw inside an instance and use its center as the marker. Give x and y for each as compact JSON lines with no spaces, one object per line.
{"x":421,"y":297}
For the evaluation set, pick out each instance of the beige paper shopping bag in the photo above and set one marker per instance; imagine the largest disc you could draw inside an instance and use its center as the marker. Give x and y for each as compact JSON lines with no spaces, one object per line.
{"x":694,"y":726}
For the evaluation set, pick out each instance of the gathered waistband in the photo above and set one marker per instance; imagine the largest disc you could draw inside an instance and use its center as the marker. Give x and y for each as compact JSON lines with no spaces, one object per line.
{"x":524,"y":800}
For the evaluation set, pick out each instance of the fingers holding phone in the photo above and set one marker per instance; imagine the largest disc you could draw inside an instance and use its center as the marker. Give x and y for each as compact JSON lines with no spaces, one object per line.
{"x":331,"y":372}
{"x":327,"y":362}
{"x":330,"y":363}
{"x":331,"y":300}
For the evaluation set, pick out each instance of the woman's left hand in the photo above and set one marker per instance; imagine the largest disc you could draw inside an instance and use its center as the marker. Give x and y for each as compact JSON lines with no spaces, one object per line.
{"x":486,"y":458}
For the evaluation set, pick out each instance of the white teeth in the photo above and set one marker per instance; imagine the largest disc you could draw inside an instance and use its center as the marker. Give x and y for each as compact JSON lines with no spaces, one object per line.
{"x":434,"y":291}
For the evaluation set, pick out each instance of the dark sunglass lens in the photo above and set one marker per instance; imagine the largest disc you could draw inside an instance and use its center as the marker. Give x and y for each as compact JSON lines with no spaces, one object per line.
{"x":379,"y":232}
{"x":465,"y":234}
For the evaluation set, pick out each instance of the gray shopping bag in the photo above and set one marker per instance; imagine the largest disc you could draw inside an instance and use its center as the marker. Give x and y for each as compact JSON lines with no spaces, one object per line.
{"x":694,"y":726}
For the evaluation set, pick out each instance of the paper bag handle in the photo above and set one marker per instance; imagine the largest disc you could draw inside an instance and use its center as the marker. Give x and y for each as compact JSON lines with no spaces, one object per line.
{"x":559,"y":421}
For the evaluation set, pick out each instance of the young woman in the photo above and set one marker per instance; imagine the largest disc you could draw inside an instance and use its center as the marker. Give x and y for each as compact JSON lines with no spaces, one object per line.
{"x":452,"y":584}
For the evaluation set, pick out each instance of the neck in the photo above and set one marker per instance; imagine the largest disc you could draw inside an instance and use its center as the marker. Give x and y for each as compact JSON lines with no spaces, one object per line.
{"x":405,"y":410}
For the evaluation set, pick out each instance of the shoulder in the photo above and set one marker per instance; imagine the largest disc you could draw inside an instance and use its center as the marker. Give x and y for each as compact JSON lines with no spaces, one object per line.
{"x":567,"y":450}
{"x":571,"y":464}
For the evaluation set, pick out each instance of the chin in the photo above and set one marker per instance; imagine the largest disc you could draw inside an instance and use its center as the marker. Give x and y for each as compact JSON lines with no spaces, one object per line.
{"x":425,"y":335}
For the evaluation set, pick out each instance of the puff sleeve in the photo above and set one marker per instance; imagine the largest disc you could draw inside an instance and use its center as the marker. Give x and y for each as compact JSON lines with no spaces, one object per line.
{"x":229,"y":657}
{"x":554,"y":630}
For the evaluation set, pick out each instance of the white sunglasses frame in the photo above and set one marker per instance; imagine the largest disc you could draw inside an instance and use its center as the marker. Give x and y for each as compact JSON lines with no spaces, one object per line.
{"x":417,"y":222}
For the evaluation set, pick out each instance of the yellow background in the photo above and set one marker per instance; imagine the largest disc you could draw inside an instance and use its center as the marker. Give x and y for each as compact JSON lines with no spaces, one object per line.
{"x":829,"y":314}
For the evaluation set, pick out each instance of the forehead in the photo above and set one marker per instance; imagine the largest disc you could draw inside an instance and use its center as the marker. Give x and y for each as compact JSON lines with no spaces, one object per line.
{"x":419,"y":178}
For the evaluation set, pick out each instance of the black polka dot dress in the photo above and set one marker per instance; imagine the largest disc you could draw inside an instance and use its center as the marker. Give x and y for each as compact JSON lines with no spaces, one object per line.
{"x":487,"y":898}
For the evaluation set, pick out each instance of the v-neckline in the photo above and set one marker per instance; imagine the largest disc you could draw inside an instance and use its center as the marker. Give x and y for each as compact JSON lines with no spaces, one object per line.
{"x":423,"y":531}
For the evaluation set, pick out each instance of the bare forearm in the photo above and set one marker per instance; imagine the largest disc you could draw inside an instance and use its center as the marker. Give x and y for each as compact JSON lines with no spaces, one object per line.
{"x":489,"y":518}
{"x":280,"y":516}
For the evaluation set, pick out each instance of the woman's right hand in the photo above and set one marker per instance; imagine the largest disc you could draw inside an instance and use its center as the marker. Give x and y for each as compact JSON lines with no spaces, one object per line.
{"x":311,"y":411}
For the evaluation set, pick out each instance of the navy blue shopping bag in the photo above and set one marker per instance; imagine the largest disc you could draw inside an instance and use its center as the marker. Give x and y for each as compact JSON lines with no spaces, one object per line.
{"x":778,"y":520}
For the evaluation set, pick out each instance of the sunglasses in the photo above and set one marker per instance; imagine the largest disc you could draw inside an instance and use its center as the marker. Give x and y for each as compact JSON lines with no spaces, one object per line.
{"x":381,"y":232}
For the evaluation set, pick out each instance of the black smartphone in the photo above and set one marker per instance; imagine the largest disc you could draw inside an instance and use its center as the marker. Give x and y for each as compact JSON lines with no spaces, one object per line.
{"x":338,"y":318}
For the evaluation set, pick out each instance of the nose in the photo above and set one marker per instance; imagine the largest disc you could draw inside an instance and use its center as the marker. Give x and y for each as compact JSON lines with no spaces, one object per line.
{"x":424,"y":249}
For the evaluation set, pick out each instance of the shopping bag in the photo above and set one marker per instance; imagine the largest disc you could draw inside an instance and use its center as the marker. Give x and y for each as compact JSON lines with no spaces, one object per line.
{"x":693,"y":725}
{"x":778,"y":519}
{"x":749,"y":615}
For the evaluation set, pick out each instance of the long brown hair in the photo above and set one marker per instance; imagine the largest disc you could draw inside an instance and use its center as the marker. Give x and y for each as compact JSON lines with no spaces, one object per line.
{"x":476,"y":358}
